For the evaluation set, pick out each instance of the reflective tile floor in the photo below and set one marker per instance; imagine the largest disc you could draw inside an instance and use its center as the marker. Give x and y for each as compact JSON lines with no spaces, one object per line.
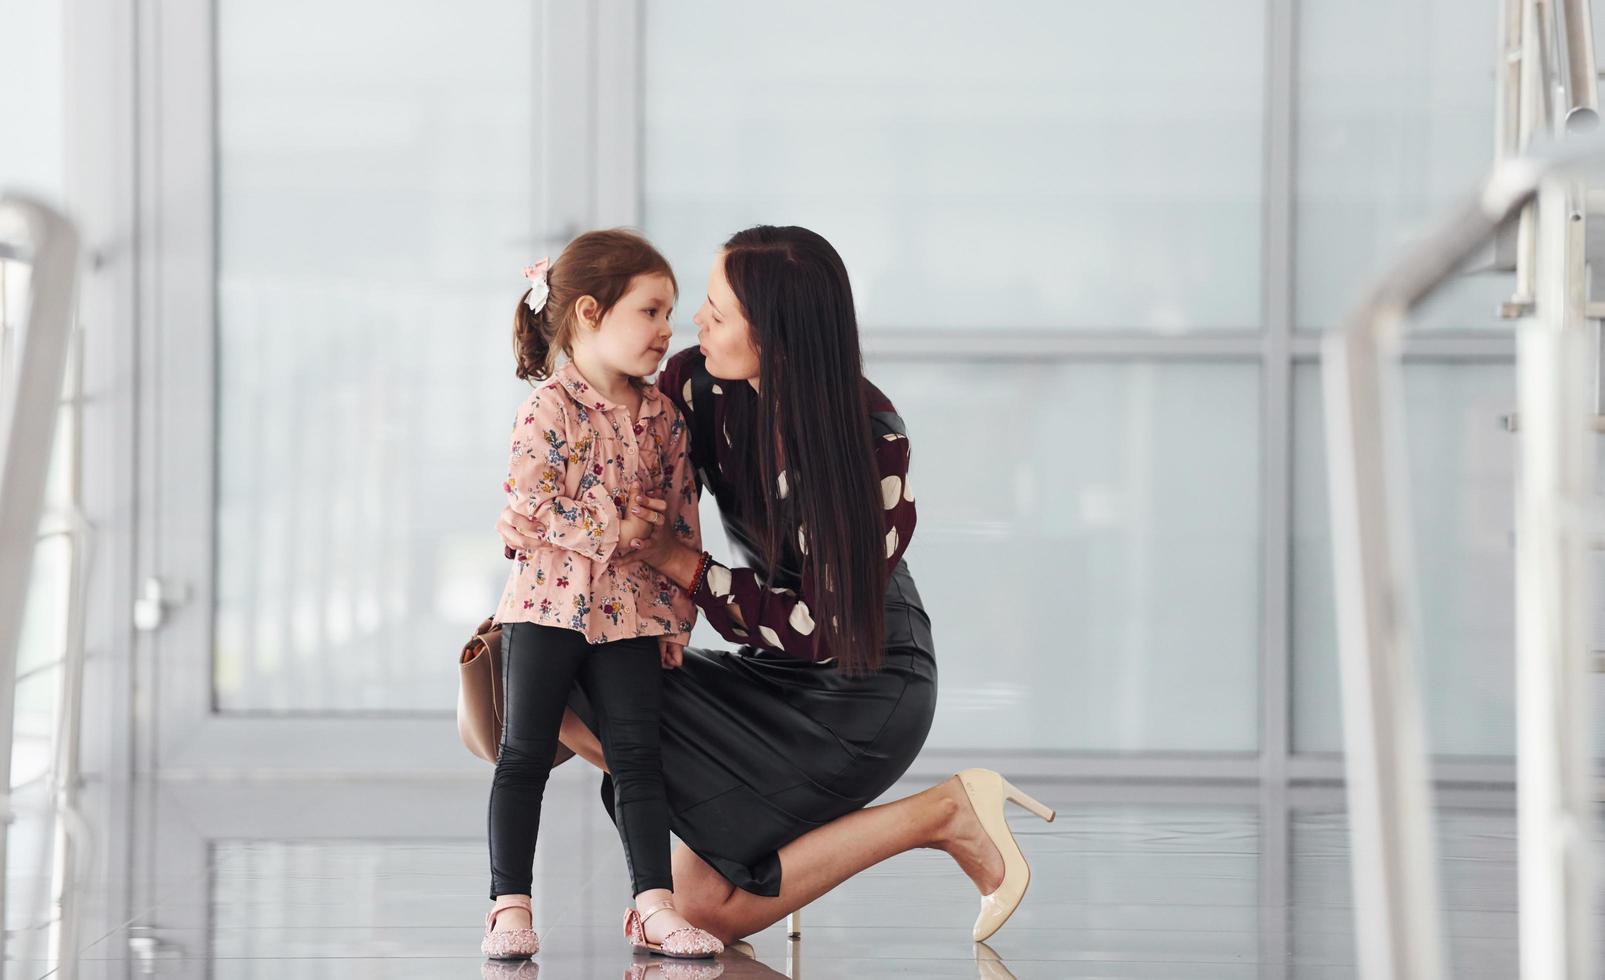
{"x":388,"y":879}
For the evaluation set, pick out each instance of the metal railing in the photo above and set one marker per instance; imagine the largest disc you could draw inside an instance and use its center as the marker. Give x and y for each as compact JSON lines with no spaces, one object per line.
{"x":1547,"y":98}
{"x":48,"y":244}
{"x":1545,"y":87}
{"x":1396,"y":897}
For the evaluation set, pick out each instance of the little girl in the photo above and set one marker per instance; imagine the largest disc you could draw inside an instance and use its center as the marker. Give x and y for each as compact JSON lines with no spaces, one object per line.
{"x":577,"y":609}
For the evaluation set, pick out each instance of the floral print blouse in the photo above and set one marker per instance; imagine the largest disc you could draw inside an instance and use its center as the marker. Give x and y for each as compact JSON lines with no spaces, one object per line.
{"x":573,"y":456}
{"x":777,"y":618}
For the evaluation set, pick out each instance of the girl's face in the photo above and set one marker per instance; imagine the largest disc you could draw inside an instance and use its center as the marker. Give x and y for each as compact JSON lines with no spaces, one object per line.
{"x":723,"y":331}
{"x":634,"y":335}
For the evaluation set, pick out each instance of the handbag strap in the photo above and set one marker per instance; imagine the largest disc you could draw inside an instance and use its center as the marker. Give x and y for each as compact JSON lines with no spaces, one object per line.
{"x":496,"y":663}
{"x":492,"y":626}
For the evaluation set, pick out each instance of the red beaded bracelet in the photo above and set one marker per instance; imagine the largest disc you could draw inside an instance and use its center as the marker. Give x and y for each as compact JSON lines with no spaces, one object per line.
{"x":702,"y":570}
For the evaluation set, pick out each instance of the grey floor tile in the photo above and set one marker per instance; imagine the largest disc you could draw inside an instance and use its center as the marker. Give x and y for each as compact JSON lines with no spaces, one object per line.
{"x":226,"y":888}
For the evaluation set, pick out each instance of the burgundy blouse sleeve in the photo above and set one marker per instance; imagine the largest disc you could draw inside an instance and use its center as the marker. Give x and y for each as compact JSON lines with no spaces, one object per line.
{"x":674,"y":380}
{"x":780,"y":619}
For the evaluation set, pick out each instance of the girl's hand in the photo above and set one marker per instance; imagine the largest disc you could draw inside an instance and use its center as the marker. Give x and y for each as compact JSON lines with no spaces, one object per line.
{"x":673,"y":653}
{"x":519,"y":533}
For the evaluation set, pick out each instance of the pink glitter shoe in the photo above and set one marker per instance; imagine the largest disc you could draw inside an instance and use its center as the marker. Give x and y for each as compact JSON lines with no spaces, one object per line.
{"x":686,"y":942}
{"x":510,"y":944}
{"x":673,"y":970}
{"x":509,"y":970}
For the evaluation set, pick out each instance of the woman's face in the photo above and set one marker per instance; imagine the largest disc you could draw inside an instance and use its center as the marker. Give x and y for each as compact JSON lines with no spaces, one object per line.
{"x":723,"y":331}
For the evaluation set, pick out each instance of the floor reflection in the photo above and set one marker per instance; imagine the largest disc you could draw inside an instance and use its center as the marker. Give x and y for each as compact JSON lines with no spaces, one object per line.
{"x":388,"y":879}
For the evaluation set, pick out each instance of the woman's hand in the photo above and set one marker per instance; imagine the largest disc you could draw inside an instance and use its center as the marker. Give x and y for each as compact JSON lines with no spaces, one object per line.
{"x":519,"y":533}
{"x":657,"y":543}
{"x":638,"y":537}
{"x":638,"y":525}
{"x":673,"y":653}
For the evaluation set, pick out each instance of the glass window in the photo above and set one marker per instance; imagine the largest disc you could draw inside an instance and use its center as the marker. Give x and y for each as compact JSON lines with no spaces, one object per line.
{"x":374,"y":201}
{"x":32,"y":99}
{"x":1462,"y":518}
{"x":1088,"y":549}
{"x":1395,"y":112}
{"x":1043,"y":165}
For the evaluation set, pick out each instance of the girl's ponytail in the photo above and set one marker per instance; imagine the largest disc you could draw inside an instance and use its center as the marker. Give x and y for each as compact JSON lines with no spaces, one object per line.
{"x":532,"y":341}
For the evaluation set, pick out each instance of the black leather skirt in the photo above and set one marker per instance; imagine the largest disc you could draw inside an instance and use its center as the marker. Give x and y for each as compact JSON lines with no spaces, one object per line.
{"x":759,"y":748}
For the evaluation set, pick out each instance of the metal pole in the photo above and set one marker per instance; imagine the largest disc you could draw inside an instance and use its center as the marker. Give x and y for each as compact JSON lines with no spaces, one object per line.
{"x":1393,"y":855}
{"x":1532,"y":118}
{"x":1575,"y":26}
{"x":1390,"y":799}
{"x":25,"y":450}
{"x":1507,"y":82}
{"x":1554,"y":503}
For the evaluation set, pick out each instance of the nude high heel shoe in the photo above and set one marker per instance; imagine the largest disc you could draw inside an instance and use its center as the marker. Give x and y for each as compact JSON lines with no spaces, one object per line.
{"x":990,"y":965}
{"x":987,"y":791}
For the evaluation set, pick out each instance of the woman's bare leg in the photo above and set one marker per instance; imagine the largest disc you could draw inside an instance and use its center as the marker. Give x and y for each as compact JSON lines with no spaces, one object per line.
{"x":940,"y":817}
{"x":581,"y":740}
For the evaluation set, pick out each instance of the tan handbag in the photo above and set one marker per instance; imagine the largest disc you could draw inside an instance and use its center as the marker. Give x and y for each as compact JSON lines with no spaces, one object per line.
{"x":480,"y":698}
{"x":481,"y":702}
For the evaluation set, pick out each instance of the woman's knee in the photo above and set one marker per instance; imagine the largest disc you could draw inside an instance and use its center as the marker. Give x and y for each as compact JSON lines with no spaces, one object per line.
{"x":706,"y":909}
{"x":700,"y":893}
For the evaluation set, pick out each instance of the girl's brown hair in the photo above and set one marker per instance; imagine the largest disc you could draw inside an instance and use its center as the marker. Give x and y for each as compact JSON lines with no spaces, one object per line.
{"x":599,"y":264}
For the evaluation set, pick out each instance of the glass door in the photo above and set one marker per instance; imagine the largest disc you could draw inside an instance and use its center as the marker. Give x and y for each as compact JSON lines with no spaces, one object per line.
{"x":345,"y":195}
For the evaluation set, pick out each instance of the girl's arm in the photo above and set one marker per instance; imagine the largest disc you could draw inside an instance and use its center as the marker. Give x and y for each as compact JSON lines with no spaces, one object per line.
{"x":679,"y":490}
{"x":543,"y":450}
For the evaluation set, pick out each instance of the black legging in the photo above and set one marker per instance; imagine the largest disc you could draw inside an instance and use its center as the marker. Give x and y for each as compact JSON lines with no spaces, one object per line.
{"x":624,"y":680}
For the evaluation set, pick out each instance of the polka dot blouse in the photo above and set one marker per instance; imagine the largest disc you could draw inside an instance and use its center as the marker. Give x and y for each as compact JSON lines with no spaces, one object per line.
{"x":776,"y":618}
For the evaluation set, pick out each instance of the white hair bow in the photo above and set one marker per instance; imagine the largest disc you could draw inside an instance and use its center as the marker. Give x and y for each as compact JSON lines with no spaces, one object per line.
{"x":539,"y":289}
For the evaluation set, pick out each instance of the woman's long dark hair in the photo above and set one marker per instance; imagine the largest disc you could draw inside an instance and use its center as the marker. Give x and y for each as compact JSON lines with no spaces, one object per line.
{"x":794,"y":291}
